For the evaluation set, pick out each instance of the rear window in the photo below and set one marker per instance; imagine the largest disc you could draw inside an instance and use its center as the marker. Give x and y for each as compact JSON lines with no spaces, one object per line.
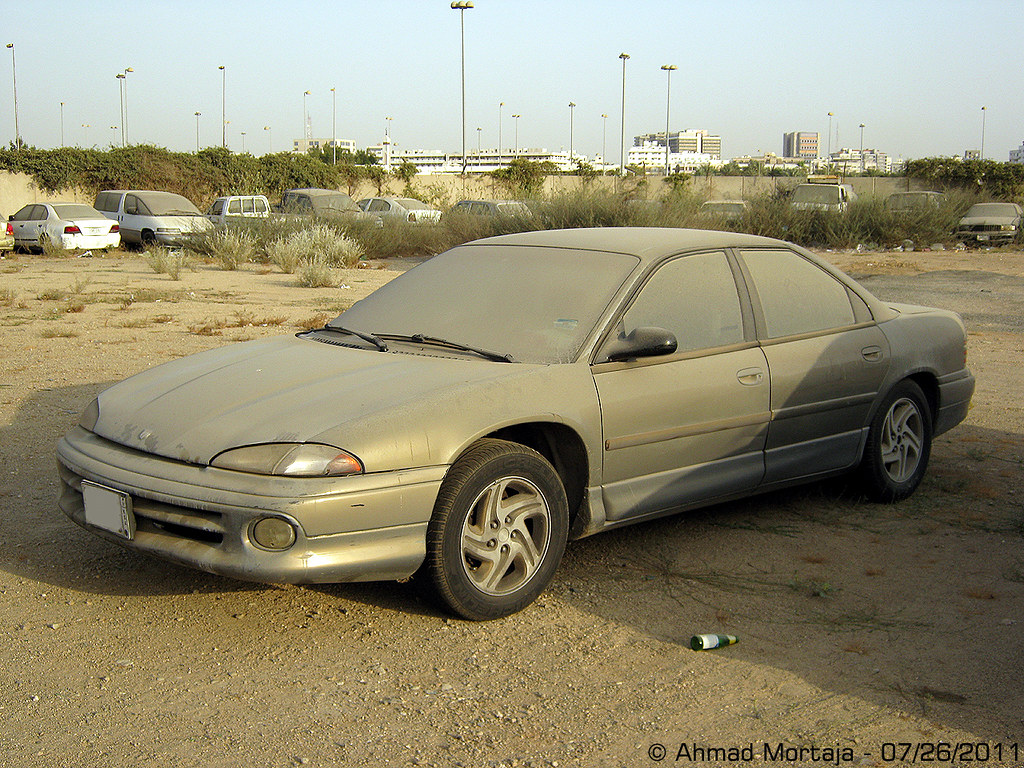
{"x":77,"y":211}
{"x":108,"y":201}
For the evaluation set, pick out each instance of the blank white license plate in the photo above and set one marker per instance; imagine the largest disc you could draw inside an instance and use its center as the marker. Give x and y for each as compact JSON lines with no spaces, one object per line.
{"x":983,"y":237}
{"x":108,"y":509}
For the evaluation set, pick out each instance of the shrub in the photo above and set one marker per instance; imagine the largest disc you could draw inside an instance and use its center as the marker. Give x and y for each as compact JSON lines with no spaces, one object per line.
{"x":228,"y":246}
{"x":316,"y":273}
{"x":163,"y":261}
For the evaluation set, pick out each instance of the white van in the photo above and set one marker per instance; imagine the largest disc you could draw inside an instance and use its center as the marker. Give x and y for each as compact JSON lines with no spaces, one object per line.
{"x":147,"y":217}
{"x":237,"y":207}
{"x":818,"y":196}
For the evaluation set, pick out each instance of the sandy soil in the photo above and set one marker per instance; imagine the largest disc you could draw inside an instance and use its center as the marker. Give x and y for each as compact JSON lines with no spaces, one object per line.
{"x":861,"y":627}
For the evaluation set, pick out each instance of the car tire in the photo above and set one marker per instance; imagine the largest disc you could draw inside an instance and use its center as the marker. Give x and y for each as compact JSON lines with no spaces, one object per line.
{"x":44,"y":240}
{"x":498,"y":531}
{"x":898,"y":446}
{"x":147,"y":238}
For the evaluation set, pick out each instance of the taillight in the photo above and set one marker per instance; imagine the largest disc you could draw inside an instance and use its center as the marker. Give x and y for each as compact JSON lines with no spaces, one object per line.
{"x":115,"y":228}
{"x":10,"y":229}
{"x":72,"y":229}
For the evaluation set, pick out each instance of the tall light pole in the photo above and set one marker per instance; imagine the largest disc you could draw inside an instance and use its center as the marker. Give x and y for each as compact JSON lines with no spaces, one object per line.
{"x":124,"y":118}
{"x":114,"y":139}
{"x":14,"y":75}
{"x":223,"y":106}
{"x":197,"y":114}
{"x":572,"y":112}
{"x":622,"y":121}
{"x":270,"y":139}
{"x":862,"y":147}
{"x":306,"y":128}
{"x":516,"y":118}
{"x":982,"y":157}
{"x":668,"y":102}
{"x":62,"y":123}
{"x":462,"y":6}
{"x":604,"y":141}
{"x":87,"y":127}
{"x":500,"y":105}
{"x":243,"y":142}
{"x":479,"y":151}
{"x":121,"y":77}
{"x":387,"y":143}
{"x":334,"y":126}
{"x":829,"y":140}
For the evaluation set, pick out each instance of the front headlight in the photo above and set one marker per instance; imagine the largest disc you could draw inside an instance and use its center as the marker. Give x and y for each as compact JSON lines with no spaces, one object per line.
{"x":90,"y":416}
{"x":290,"y":459}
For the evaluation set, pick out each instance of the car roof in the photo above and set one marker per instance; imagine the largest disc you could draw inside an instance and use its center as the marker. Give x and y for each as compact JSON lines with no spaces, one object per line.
{"x":646,"y":243}
{"x":143,"y":193}
{"x":315,"y":192}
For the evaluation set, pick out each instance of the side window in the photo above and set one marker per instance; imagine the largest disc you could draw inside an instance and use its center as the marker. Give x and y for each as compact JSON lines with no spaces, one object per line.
{"x":217,"y":208}
{"x":261,"y":205}
{"x":695,"y":298}
{"x":377,"y":205}
{"x":304,"y":203}
{"x":24,"y":214}
{"x":131,"y":205}
{"x":107,"y":201}
{"x":234,"y":205}
{"x":39,"y":213}
{"x":796,"y":295}
{"x":248,"y":205}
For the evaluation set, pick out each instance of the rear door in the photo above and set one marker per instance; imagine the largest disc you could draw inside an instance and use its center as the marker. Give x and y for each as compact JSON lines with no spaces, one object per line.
{"x":827,"y":360}
{"x":688,"y":427}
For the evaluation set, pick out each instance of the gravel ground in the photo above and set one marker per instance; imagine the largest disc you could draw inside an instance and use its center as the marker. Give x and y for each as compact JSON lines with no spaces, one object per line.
{"x":861,"y":627}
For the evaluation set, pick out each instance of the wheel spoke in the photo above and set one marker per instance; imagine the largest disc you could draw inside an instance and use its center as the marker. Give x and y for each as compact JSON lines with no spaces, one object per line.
{"x":498,"y":568}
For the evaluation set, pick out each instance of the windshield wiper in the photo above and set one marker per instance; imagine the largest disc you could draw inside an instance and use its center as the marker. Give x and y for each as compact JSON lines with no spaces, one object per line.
{"x":377,"y":341}
{"x":419,"y":338}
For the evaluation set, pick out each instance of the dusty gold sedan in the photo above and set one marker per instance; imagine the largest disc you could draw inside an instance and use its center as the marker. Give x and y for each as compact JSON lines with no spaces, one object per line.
{"x":471,"y":416}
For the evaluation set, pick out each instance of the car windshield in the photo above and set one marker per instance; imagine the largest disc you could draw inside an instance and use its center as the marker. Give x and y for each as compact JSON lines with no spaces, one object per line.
{"x":169,"y":204}
{"x":334,"y":202}
{"x":513,"y":209}
{"x":76,"y":211}
{"x":536,"y":304}
{"x":819,"y":195}
{"x":993,"y":209}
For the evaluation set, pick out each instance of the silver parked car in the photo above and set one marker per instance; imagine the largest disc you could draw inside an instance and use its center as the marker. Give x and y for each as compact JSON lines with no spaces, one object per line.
{"x":73,"y":226}
{"x":590,"y":379}
{"x":400,"y":209}
{"x":150,"y":217}
{"x":995,"y":223}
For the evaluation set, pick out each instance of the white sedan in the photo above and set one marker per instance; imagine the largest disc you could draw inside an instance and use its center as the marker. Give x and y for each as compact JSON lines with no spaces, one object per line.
{"x":73,"y":226}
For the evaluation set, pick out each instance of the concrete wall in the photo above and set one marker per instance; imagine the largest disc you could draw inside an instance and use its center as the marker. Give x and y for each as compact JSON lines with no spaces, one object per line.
{"x":18,"y":189}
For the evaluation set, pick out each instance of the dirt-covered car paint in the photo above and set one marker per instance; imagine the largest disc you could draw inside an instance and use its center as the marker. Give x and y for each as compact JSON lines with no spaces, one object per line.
{"x":477,"y":429}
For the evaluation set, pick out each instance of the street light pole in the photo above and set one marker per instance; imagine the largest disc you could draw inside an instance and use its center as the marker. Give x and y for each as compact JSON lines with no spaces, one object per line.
{"x":668,"y":102}
{"x":462,"y":6}
{"x":121,"y":77}
{"x":604,"y":141}
{"x":500,"y":105}
{"x":622,"y":121}
{"x":516,"y":118}
{"x":479,"y":151}
{"x":572,"y":112}
{"x":334,"y":126}
{"x":982,"y":157}
{"x":243,"y":142}
{"x":62,"y":123}
{"x":14,"y":75}
{"x":270,"y":139}
{"x":197,"y":130}
{"x":387,"y":143}
{"x":87,"y":126}
{"x":862,"y":148}
{"x":223,"y":106}
{"x":306,"y":132}
{"x":124,"y":123}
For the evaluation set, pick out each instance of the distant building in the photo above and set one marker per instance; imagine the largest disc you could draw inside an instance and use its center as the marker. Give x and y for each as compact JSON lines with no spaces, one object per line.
{"x":972,"y":154}
{"x":857,"y":161}
{"x":651,"y":155}
{"x":1017,"y":155}
{"x":801,"y":144}
{"x":683,"y":142}
{"x":429,"y":161}
{"x":302,"y":146}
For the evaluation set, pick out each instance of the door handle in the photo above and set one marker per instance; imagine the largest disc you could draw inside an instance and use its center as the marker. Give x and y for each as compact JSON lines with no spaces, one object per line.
{"x":750,"y":377}
{"x":872,"y":354}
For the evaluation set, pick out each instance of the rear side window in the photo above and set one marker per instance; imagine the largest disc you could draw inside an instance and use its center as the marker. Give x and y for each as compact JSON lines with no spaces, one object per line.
{"x":796,"y":295}
{"x":234,"y":205}
{"x":261,"y":205}
{"x":247,"y":205}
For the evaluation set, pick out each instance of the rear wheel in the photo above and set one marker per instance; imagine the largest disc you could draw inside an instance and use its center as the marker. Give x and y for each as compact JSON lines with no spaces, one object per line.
{"x":148,"y":238}
{"x":899,"y":445}
{"x":498,"y":531}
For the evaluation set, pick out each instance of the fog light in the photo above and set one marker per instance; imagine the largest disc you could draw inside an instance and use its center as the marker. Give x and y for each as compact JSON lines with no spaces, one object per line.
{"x":273,"y":533}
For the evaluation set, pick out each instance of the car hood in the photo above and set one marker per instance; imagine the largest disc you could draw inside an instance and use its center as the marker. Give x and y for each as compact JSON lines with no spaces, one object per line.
{"x":289,"y":389}
{"x":968,"y":221}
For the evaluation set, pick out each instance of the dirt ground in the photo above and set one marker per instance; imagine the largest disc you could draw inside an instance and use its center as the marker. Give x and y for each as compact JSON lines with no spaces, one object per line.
{"x":861,"y":627}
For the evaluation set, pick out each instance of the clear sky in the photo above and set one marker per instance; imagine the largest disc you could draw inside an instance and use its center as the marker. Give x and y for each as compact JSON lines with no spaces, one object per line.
{"x":916,"y":72}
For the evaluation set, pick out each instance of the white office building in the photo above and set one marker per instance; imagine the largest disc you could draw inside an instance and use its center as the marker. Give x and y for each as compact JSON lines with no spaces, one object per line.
{"x":650,"y":155}
{"x":1017,"y":155}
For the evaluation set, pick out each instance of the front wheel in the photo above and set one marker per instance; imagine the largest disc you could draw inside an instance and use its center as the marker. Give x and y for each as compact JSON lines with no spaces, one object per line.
{"x":899,"y":445}
{"x":498,"y":531}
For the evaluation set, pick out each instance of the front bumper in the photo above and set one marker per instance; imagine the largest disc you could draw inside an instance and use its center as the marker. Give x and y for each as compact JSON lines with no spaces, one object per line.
{"x":360,"y":528}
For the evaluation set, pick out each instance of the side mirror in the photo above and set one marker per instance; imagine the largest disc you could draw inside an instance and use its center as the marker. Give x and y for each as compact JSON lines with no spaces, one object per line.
{"x":645,"y":341}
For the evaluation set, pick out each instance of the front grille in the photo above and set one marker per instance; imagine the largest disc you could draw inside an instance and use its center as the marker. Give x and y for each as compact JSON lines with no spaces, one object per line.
{"x":153,"y":516}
